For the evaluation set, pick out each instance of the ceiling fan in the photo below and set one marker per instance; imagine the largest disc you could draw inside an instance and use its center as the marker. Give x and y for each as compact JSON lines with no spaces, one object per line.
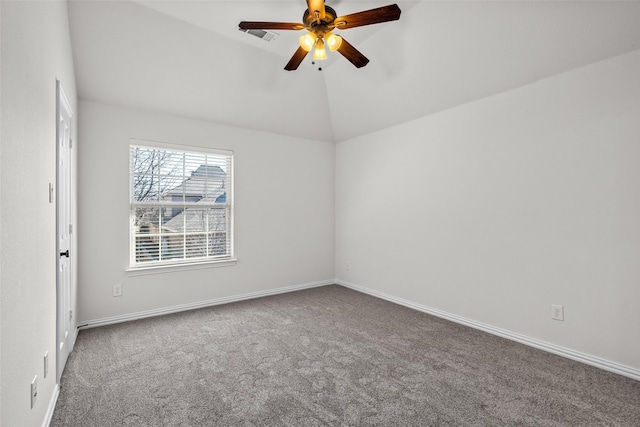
{"x":319,"y":20}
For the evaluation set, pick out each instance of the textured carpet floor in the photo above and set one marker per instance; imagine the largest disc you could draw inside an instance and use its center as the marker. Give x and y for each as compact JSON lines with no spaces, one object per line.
{"x":327,"y":356}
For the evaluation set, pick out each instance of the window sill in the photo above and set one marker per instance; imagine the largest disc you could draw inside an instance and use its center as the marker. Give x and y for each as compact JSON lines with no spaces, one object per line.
{"x":154,"y":269}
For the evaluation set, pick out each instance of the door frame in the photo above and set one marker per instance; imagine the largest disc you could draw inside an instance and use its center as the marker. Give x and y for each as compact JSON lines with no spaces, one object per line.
{"x":65,"y":315}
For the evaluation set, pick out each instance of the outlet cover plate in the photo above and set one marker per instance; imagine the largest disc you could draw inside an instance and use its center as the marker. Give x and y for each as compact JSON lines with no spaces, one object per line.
{"x":557,"y":312}
{"x":34,"y":391}
{"x":46,"y":364}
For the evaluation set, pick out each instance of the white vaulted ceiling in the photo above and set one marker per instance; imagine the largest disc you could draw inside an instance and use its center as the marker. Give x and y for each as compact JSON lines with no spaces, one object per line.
{"x":188,"y":58}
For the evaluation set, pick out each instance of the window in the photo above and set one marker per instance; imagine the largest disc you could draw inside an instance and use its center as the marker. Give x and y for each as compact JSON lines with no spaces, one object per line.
{"x":181,"y":205}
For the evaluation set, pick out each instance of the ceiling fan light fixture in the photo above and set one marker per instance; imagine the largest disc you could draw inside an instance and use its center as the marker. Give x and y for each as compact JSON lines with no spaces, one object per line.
{"x":319,"y":19}
{"x":320,"y":53}
{"x":333,"y":41}
{"x":307,"y":41}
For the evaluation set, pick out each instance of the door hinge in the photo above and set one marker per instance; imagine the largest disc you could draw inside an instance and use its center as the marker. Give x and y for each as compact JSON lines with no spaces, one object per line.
{"x":70,"y":143}
{"x":70,"y":228}
{"x":70,"y":314}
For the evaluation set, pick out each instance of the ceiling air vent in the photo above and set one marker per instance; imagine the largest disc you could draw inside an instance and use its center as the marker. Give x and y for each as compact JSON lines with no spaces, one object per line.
{"x":261,"y":34}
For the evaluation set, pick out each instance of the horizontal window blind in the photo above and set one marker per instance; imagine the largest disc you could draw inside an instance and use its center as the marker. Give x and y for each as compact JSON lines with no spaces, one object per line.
{"x":181,"y":205}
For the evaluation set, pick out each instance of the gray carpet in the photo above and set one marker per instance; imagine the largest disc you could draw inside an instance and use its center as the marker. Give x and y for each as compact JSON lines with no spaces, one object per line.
{"x":327,"y":356}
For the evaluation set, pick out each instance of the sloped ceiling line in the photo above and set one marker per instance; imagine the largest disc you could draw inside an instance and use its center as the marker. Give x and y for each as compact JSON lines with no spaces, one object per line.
{"x":189,"y":59}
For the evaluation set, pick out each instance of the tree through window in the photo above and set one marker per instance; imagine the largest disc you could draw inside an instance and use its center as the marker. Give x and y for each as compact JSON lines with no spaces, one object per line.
{"x":181,"y":205}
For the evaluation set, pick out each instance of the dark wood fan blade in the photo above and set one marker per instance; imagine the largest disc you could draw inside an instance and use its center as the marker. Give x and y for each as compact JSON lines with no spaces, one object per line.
{"x":368,"y":17}
{"x":296,"y":59}
{"x":314,"y":5}
{"x":258,"y":25}
{"x":352,"y":54}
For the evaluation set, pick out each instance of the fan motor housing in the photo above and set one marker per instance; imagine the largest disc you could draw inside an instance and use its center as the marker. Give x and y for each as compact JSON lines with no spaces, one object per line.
{"x":325,"y":24}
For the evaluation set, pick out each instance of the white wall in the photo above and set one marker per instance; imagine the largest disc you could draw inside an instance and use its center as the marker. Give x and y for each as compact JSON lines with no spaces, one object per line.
{"x":497,"y":209}
{"x":284,"y":210}
{"x":35,"y":52}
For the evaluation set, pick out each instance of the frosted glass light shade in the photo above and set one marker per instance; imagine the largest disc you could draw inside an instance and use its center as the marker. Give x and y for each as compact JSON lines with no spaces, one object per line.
{"x":319,"y":52}
{"x":333,"y":41}
{"x":307,"y":41}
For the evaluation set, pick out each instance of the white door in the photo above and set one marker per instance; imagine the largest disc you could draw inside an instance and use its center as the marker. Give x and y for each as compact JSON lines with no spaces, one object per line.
{"x":63,"y":232}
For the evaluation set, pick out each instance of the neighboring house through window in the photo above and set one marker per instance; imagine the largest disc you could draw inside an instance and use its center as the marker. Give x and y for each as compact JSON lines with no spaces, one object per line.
{"x":181,"y":204}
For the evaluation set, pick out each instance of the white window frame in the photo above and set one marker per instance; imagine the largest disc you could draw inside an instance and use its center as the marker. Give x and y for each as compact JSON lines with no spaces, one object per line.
{"x":184,"y":263}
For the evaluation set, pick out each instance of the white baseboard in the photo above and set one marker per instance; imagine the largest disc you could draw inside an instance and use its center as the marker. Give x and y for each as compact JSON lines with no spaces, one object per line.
{"x":52,"y":406}
{"x":200,"y":304}
{"x":598,"y":362}
{"x":74,"y":337}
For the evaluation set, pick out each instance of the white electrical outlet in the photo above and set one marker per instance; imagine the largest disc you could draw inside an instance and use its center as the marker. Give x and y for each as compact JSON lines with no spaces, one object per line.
{"x":46,"y":364}
{"x":117,"y":290}
{"x":557,"y":312}
{"x":34,"y":391}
